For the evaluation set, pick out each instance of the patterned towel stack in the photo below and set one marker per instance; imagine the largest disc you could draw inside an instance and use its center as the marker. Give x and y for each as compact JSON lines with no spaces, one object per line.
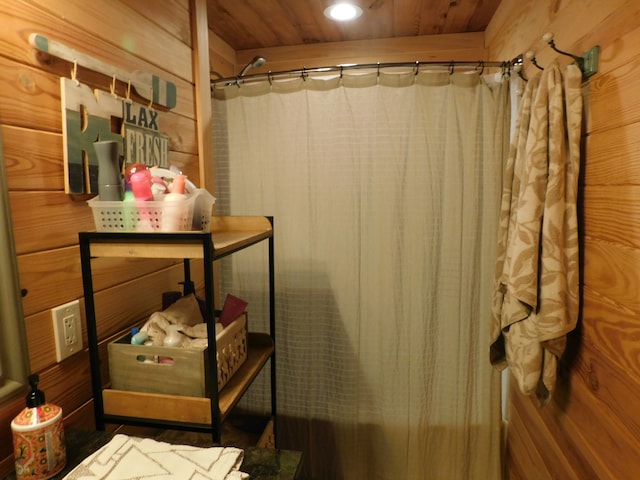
{"x":125,"y":458}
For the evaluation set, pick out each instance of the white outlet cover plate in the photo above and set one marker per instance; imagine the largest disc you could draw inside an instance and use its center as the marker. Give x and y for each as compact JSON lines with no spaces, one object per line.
{"x":67,"y":329}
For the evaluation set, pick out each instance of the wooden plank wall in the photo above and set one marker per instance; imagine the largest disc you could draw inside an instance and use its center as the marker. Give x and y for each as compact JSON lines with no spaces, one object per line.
{"x":131,"y":35}
{"x":592,"y":428}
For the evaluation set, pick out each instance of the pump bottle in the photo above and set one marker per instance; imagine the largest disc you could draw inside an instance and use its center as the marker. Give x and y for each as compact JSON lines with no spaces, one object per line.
{"x":38,"y":437}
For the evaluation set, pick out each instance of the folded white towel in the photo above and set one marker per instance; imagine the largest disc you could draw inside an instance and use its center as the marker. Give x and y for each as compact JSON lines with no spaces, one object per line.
{"x":133,"y":458}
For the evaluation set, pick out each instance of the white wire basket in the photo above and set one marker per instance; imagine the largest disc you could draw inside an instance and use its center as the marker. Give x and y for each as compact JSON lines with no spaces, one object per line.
{"x":193,"y":214}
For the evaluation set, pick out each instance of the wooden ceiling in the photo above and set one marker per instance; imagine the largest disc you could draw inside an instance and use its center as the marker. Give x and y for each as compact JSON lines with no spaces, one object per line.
{"x":254,"y":24}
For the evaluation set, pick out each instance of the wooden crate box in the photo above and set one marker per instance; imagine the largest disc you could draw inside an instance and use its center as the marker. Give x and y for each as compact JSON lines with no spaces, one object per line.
{"x":177,"y":370}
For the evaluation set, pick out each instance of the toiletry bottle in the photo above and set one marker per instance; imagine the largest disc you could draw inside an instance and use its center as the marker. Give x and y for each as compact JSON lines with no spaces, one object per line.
{"x":38,"y":437}
{"x":110,"y":180}
{"x":141,"y":188}
{"x":158,"y":188}
{"x":141,"y":185}
{"x":130,"y":170}
{"x":138,"y":337}
{"x":173,"y":337}
{"x":173,"y":209}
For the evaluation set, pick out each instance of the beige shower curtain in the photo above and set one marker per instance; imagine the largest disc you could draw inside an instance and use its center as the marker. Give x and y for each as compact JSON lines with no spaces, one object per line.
{"x":536,"y":285}
{"x":385,"y":192}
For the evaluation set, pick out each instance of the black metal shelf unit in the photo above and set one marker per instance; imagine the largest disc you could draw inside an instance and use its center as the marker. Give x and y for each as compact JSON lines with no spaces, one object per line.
{"x":229,"y":234}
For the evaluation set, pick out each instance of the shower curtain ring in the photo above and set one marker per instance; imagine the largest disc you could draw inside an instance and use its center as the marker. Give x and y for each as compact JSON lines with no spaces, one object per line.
{"x":518,"y":69}
{"x":451,"y":67}
{"x":378,"y":73}
{"x":415,"y":72}
{"x":270,"y":77}
{"x":480,"y":66}
{"x":304,"y":74}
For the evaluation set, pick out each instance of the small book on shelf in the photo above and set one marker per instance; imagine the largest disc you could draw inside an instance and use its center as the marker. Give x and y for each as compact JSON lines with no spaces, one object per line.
{"x":233,"y":307}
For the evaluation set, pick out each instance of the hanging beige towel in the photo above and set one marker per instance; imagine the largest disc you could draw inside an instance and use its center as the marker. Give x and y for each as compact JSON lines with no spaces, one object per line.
{"x":535,"y":301}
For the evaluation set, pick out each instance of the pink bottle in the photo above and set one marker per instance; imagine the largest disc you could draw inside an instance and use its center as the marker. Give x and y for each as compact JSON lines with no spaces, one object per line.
{"x":141,"y":188}
{"x":141,"y":185}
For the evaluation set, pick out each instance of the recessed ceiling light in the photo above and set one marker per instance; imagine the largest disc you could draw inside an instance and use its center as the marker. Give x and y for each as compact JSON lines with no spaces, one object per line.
{"x":343,"y":12}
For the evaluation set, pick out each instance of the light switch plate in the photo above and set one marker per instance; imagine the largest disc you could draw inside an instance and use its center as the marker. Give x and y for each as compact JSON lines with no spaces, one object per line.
{"x":67,"y":329}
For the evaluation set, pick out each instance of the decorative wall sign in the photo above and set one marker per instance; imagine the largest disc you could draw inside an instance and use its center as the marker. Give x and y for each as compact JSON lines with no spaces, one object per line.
{"x":91,"y":115}
{"x":142,"y":140}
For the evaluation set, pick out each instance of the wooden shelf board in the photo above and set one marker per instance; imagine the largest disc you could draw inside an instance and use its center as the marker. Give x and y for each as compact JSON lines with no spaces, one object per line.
{"x":238,"y":223}
{"x":229,"y":234}
{"x":141,"y":249}
{"x":196,"y":410}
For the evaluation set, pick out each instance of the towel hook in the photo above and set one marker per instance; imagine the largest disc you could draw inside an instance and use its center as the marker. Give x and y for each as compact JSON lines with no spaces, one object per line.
{"x":518,"y":70}
{"x":548,"y":37}
{"x":532,"y":57}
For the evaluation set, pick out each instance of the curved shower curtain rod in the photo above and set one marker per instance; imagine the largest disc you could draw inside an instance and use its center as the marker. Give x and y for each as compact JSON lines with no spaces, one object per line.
{"x":338,"y":69}
{"x":588,"y":64}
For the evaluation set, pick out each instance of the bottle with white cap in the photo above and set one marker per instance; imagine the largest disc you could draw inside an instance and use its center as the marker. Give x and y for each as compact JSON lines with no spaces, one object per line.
{"x":173,"y":211}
